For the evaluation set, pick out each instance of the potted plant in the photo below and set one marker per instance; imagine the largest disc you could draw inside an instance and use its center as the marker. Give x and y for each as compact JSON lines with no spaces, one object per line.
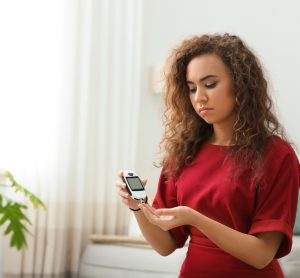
{"x":12,"y":212}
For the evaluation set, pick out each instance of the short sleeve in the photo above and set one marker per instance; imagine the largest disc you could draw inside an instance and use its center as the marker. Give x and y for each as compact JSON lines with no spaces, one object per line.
{"x":277,"y":195}
{"x":166,"y":197}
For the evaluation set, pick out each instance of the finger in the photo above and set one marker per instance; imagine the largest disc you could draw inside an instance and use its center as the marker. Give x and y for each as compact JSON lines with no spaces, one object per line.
{"x":123,"y":194}
{"x":146,"y":207}
{"x":162,"y":221}
{"x":166,"y":214}
{"x":169,"y":211}
{"x":120,"y":184}
{"x":120,"y":173}
{"x":152,"y":209}
{"x":166,"y":217}
{"x":144,"y":182}
{"x":149,"y":215}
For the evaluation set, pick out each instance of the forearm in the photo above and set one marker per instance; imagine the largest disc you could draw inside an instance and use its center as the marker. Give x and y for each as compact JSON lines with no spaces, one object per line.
{"x":247,"y":248}
{"x":161,"y":241}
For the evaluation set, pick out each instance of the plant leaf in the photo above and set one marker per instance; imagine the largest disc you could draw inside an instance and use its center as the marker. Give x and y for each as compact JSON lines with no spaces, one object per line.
{"x":13,"y":214}
{"x":34,"y":200}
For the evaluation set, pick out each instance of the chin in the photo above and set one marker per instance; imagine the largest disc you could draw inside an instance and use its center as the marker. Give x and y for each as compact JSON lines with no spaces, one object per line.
{"x":207,"y":120}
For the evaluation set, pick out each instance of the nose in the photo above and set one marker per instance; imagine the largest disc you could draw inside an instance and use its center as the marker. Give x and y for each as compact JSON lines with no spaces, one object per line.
{"x":200,"y":96}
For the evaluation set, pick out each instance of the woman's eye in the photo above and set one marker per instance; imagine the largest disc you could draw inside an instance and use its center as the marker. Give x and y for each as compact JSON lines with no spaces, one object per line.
{"x":211,"y":85}
{"x":193,"y":90}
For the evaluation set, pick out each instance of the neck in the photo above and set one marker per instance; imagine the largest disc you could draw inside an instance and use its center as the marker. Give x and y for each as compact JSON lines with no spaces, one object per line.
{"x":221,"y":136}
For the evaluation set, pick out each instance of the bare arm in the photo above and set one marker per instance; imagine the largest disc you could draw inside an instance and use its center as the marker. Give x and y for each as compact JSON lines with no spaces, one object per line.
{"x":256,"y":250}
{"x":161,"y":241}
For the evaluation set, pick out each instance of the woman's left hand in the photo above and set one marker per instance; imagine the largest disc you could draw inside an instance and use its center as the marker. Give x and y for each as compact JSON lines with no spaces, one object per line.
{"x":168,"y":218}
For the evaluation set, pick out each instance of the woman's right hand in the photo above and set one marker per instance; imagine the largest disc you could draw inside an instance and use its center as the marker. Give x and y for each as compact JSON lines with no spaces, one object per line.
{"x":126,"y":198}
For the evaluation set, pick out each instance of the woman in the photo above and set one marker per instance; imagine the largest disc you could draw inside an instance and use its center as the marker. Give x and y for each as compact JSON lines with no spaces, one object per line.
{"x":230,"y":180}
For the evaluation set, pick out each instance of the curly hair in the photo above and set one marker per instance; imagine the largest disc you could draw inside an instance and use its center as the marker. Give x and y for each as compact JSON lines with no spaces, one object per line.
{"x":185,"y":131}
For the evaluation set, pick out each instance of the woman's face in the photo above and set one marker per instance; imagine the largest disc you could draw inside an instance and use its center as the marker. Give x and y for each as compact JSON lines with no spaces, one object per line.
{"x":211,"y":90}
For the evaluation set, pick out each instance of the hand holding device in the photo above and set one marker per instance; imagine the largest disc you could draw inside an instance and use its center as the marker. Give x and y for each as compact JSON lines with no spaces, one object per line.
{"x":134,"y":185}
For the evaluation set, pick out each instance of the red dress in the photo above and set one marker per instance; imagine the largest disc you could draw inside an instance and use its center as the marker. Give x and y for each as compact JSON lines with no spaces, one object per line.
{"x":239,"y":202}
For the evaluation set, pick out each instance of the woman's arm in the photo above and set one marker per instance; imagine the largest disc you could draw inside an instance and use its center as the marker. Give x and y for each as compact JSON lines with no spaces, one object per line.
{"x":257,"y":251}
{"x":162,"y":241}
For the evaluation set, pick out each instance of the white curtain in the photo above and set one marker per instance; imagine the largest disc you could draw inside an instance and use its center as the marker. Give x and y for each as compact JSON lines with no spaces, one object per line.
{"x":69,"y":119}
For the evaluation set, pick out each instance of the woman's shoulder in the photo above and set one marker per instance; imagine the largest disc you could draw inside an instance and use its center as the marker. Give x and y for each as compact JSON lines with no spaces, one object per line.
{"x":277,"y":147}
{"x":277,"y":142}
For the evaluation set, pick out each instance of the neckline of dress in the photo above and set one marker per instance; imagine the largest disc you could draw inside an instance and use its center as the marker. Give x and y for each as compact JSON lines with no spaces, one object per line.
{"x":218,"y":146}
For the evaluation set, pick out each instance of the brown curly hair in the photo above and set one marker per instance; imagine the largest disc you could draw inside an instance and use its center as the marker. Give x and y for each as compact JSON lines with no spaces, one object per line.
{"x":185,"y":131}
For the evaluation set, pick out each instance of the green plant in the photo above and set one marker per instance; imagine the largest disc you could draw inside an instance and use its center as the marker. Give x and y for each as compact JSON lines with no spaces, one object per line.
{"x":12,"y":212}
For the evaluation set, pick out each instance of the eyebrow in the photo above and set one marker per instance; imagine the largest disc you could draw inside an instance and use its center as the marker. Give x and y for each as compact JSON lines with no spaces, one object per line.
{"x":202,"y":79}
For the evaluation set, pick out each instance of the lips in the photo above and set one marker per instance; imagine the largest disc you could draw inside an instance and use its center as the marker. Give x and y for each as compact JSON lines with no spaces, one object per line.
{"x":205,"y":109}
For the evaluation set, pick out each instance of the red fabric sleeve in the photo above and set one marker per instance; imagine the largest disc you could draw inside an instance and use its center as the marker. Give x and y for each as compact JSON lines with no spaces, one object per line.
{"x":166,"y":197}
{"x":277,"y":195}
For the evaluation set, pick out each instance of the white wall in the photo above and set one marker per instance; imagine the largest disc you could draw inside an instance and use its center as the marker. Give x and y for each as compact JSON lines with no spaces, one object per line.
{"x":270,"y":27}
